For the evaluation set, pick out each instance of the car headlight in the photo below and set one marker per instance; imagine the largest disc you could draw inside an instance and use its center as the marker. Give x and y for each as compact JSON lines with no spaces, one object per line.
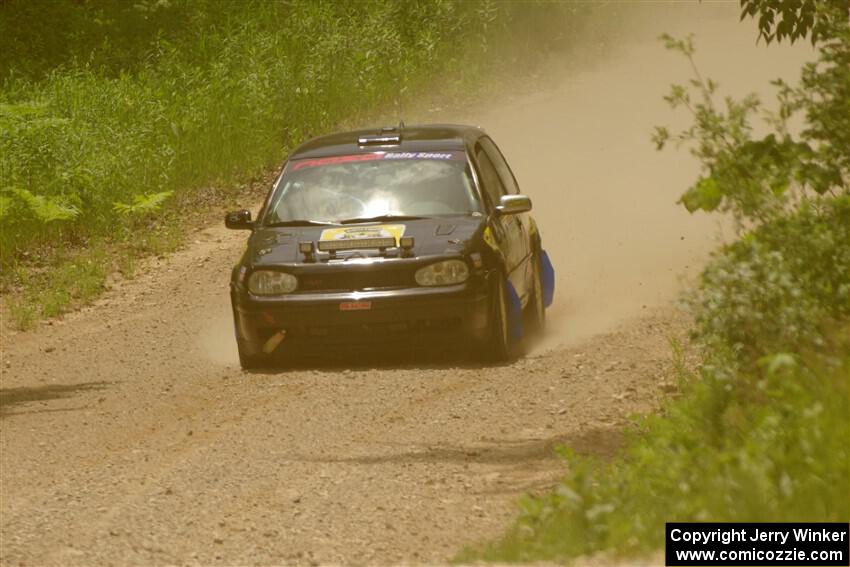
{"x":447,"y":272}
{"x":266,"y":282}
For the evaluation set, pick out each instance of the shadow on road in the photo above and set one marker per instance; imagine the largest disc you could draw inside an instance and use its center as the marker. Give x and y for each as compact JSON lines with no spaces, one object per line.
{"x":10,"y":397}
{"x":597,"y":441}
{"x":424,"y":357}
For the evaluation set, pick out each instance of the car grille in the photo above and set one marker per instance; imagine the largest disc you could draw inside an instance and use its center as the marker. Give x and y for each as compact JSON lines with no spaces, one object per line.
{"x":356,"y":281}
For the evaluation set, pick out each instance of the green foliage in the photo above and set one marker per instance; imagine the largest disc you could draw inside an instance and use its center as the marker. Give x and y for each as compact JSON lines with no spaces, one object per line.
{"x":42,"y":208}
{"x":704,"y":195}
{"x":761,"y":179}
{"x":72,"y":282}
{"x":778,"y":288}
{"x":143,"y":204}
{"x":24,"y":314}
{"x":109,"y":35}
{"x":783,"y":19}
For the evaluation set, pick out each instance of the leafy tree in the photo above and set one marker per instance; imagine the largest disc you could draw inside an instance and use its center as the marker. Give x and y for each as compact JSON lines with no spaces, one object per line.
{"x":787,"y":278}
{"x":795,"y":19}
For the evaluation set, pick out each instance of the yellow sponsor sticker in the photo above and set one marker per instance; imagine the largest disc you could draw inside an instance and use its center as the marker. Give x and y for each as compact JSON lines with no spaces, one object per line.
{"x":490,"y":240}
{"x":374,"y":231}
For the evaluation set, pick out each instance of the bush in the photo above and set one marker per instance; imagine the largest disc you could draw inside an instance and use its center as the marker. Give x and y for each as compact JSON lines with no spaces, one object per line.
{"x":778,"y":288}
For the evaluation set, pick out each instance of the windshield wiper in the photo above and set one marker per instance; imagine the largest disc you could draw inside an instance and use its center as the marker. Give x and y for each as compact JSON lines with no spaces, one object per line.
{"x":381,"y":218}
{"x":298,"y":222}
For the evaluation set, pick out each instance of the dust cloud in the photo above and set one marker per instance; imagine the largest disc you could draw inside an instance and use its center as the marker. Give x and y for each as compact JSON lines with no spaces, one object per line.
{"x":604,"y":198}
{"x":217,"y":339}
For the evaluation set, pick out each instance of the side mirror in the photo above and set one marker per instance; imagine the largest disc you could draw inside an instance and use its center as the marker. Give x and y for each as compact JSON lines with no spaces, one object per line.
{"x":239,"y":220}
{"x":513,"y":204}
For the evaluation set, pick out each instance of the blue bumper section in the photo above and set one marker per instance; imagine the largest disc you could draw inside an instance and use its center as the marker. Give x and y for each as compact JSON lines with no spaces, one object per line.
{"x":514,"y":313}
{"x":547,"y":279}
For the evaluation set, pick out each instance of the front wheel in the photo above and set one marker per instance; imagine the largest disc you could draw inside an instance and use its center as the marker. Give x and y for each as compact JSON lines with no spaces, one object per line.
{"x":498,"y":346}
{"x":250,"y":361}
{"x":536,"y":309}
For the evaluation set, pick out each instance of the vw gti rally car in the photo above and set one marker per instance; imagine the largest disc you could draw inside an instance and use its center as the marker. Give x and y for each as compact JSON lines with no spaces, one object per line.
{"x":386,"y":238}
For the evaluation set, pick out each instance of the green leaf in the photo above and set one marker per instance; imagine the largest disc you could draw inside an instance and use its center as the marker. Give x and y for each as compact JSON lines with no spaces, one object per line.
{"x":660,"y":137}
{"x":705,"y":195}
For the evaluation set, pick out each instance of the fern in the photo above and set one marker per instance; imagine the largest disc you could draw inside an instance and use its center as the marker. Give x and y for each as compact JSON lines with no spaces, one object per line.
{"x":45,"y":209}
{"x":142,"y":204}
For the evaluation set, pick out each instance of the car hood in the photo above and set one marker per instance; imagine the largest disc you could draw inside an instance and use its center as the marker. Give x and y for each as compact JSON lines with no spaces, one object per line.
{"x":432,"y":237}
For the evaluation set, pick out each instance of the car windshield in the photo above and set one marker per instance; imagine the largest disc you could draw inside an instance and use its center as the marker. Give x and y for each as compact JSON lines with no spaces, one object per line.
{"x":365,"y":186}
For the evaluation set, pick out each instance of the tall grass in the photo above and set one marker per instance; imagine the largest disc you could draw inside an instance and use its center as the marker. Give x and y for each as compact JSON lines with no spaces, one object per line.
{"x":146,"y":102}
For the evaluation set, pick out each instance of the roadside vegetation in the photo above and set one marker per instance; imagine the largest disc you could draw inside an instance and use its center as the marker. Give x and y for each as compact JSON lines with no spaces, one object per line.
{"x":761,"y":430}
{"x":118,"y":118}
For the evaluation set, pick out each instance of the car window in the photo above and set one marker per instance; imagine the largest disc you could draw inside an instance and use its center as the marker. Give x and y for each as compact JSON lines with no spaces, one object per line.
{"x":493,"y":187}
{"x":366,"y":185}
{"x":498,"y":160}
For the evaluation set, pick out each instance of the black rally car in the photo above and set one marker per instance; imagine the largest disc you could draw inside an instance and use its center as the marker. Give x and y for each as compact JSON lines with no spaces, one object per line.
{"x":388,"y":237}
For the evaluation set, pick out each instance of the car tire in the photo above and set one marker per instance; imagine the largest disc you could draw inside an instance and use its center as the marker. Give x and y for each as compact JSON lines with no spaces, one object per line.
{"x":536,"y":308}
{"x":249,"y":361}
{"x":498,"y":346}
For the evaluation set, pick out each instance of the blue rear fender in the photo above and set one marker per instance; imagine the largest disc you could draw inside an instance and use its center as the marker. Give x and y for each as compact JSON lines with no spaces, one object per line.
{"x":514,"y":313}
{"x":547,"y":279}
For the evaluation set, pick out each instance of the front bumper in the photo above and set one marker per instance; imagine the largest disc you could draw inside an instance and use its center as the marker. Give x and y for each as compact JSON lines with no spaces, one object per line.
{"x":400,"y":315}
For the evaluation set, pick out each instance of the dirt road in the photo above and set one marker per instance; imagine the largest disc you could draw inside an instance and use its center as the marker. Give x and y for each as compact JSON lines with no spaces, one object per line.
{"x":129,"y":435}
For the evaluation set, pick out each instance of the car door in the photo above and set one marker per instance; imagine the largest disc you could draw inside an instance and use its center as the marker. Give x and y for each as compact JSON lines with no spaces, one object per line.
{"x":507,"y":231}
{"x":522,"y":221}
